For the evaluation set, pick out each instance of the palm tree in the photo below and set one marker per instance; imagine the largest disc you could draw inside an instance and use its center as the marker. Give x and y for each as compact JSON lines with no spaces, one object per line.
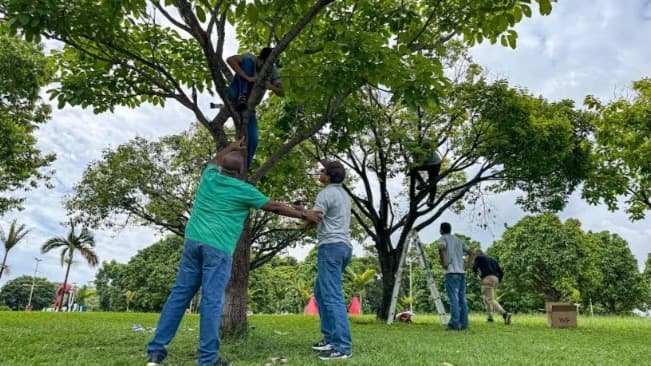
{"x":359,"y":281}
{"x":84,"y":243}
{"x":84,"y":293}
{"x":130,"y":296}
{"x":11,"y":240}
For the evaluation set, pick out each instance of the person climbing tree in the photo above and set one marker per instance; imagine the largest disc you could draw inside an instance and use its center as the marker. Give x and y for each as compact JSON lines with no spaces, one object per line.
{"x":432,"y":165}
{"x":246,"y":67}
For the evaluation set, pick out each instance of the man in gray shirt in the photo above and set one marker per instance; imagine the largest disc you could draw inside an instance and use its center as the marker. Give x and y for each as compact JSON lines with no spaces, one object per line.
{"x":334,"y":254}
{"x":451,"y":251}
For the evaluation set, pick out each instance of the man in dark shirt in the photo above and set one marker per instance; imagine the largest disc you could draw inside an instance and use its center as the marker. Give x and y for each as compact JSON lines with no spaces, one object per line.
{"x":491,"y":275}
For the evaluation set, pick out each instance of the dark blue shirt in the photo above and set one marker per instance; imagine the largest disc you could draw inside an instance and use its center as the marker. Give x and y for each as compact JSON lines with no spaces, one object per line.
{"x":488,"y":266}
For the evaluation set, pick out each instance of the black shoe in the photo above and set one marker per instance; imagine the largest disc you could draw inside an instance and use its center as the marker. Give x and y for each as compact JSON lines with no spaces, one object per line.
{"x":507,"y":318}
{"x":222,"y":362}
{"x":155,"y":360}
{"x":322,"y":345}
{"x":240,"y":104}
{"x":334,"y":355}
{"x":490,"y":320}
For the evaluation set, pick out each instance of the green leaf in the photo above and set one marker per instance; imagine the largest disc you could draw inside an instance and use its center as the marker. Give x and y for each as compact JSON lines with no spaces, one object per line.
{"x":201,"y":14}
{"x":545,"y":7}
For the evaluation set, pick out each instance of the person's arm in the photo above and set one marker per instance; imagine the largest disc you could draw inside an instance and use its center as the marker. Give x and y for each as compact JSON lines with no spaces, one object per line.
{"x":276,"y":89}
{"x":280,"y":208}
{"x":237,"y":145}
{"x":234,"y":62}
{"x":442,"y":259}
{"x":470,"y":256}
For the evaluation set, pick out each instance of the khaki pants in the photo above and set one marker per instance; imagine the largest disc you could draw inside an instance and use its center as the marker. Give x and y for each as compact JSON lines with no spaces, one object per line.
{"x":488,"y":286}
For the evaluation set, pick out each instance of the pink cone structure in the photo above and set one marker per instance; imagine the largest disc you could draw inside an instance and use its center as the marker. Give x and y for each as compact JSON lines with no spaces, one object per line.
{"x":312,"y":307}
{"x":355,"y":308}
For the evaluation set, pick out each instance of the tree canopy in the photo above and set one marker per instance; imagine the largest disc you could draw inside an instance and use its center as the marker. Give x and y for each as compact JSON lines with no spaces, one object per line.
{"x":545,"y":259}
{"x":149,"y":52}
{"x":24,"y":69}
{"x":623,"y":138}
{"x":479,"y":130}
{"x":15,"y":293}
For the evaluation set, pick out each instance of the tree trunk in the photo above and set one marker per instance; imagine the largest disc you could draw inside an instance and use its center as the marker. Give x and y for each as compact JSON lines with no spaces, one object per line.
{"x":388,"y":265}
{"x":4,"y":261}
{"x":65,"y":282}
{"x":234,"y":322}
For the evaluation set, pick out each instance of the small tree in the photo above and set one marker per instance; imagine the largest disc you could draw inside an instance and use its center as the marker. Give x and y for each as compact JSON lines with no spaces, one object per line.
{"x":129,"y":296}
{"x":11,"y":240}
{"x":359,"y":281}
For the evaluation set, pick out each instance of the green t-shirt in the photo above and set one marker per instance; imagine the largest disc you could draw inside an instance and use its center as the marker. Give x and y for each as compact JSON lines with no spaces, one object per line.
{"x":220,"y":207}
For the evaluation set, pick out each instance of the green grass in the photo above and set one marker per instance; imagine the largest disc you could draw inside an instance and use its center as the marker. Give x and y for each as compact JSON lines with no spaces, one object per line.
{"x":88,"y":339}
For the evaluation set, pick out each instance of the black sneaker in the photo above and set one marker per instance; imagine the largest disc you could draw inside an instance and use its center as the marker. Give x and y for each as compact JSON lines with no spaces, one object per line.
{"x":222,"y":362}
{"x":334,"y":355}
{"x":240,"y":104}
{"x":507,"y":318}
{"x":322,"y":345}
{"x":490,"y":320}
{"x":155,"y":360}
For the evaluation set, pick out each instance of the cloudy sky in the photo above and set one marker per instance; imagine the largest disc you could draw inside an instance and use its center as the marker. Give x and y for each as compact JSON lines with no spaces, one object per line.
{"x":584,"y":47}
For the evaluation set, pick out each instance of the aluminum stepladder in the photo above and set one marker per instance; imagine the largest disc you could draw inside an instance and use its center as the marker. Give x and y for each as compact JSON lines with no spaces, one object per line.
{"x":413,"y":238}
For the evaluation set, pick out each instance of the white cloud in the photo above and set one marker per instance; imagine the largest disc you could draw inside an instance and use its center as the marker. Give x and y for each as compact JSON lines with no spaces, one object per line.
{"x":583,"y":47}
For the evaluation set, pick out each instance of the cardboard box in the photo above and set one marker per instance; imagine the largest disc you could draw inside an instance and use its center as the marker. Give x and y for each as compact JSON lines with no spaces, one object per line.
{"x":561,"y":315}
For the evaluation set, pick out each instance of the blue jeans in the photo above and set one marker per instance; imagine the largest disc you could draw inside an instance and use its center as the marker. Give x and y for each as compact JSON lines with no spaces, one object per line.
{"x":205,"y":266}
{"x":455,"y":285}
{"x":332,"y":259}
{"x":241,"y":86}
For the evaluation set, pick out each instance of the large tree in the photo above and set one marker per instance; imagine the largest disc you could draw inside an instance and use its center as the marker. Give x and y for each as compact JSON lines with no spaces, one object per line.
{"x":623,"y":138}
{"x":618,"y":286}
{"x":107,"y":284}
{"x":479,"y":130}
{"x":24,"y":71}
{"x":153,"y":183}
{"x":15,"y":293}
{"x":547,"y":258}
{"x":84,"y":243}
{"x":150,"y":274}
{"x":15,"y":235}
{"x":148,"y":51}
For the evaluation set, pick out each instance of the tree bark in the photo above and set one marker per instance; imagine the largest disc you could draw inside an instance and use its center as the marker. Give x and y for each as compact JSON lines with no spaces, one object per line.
{"x":388,"y":265}
{"x":65,"y":282}
{"x":234,"y":321}
{"x":4,"y":261}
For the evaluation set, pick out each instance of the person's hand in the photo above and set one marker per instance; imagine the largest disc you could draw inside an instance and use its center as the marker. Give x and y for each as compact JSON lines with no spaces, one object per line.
{"x":299,"y":205}
{"x":314,"y":216}
{"x":237,"y":145}
{"x":251,"y":79}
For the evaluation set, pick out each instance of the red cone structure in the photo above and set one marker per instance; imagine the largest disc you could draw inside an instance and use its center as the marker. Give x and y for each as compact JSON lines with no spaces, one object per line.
{"x":355,"y":308}
{"x":312,"y":307}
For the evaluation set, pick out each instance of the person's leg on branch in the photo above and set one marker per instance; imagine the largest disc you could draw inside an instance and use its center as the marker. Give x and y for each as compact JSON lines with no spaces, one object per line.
{"x":252,"y":139}
{"x":432,"y":181}
{"x":240,"y":88}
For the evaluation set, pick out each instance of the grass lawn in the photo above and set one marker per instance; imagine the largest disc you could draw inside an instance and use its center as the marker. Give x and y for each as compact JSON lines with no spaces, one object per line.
{"x":66,"y":339}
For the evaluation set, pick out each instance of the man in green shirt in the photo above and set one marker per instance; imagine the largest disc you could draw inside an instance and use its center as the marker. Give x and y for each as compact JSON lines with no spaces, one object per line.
{"x":221,"y":205}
